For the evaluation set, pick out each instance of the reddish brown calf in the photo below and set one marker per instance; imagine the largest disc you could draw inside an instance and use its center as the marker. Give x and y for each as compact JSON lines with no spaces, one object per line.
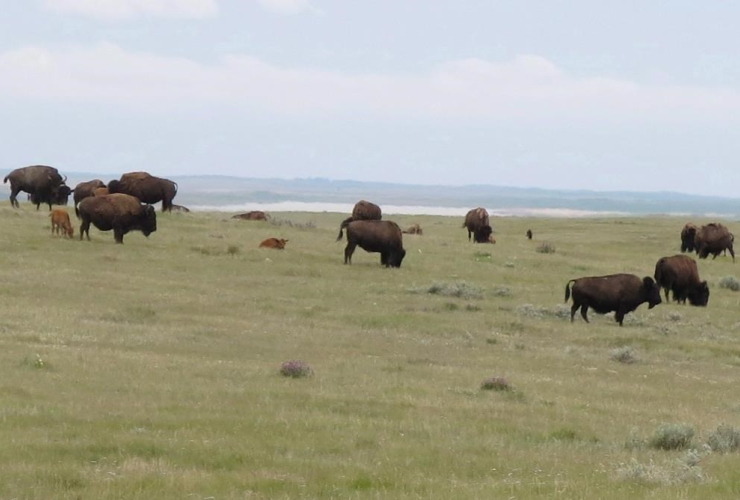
{"x":278,"y":244}
{"x":60,"y":222}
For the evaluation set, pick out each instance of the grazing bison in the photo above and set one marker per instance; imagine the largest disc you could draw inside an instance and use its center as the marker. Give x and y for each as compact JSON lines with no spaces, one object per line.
{"x":85,"y":190}
{"x":278,"y":244}
{"x":101,"y":191}
{"x":478,"y":224}
{"x":253,"y":215}
{"x":42,"y":183}
{"x":622,"y":293}
{"x":60,"y":222}
{"x":680,"y":275}
{"x":180,"y":208}
{"x":529,"y":234}
{"x":688,"y":234}
{"x":384,"y":237}
{"x":120,"y":212}
{"x":713,"y":239}
{"x":414,"y":229}
{"x":147,"y":188}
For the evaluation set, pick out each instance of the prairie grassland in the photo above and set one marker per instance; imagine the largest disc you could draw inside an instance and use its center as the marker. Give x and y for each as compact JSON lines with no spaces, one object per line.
{"x":151,"y":369}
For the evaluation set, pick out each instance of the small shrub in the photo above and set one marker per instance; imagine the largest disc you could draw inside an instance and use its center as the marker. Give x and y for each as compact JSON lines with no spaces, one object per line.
{"x":496,"y":384}
{"x":492,"y":341}
{"x":675,"y":316}
{"x":460,"y":289}
{"x":233,"y":249}
{"x":451,"y":306}
{"x":667,"y":474}
{"x":545,"y":247}
{"x":288,"y":223}
{"x":564,"y":434}
{"x":725,"y":439}
{"x":36,"y":362}
{"x":624,"y":355}
{"x":472,"y":308}
{"x":502,"y":291}
{"x":509,"y":265}
{"x":730,"y":282}
{"x":295,"y":369}
{"x":672,"y":437}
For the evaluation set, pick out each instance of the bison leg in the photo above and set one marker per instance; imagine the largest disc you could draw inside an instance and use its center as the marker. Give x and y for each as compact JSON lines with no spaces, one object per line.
{"x":584,"y":311}
{"x":118,"y":235}
{"x":13,"y":197}
{"x":348,"y":251}
{"x":85,"y":228}
{"x":384,"y":259}
{"x":619,"y":317}
{"x":732,"y":252}
{"x":573,"y":310}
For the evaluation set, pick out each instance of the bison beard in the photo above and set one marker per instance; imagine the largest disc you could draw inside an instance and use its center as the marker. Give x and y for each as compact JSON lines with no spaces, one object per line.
{"x":383,"y":237}
{"x":621,"y":293}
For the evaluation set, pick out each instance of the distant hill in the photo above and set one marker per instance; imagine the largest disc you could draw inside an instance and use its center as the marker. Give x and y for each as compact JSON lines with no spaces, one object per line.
{"x":223,"y":191}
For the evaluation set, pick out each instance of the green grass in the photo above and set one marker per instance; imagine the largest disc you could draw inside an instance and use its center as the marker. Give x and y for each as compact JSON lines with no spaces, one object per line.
{"x":160,"y":365}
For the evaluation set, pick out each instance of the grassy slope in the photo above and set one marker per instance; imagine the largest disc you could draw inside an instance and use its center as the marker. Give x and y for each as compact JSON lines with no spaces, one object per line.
{"x":160,"y":360}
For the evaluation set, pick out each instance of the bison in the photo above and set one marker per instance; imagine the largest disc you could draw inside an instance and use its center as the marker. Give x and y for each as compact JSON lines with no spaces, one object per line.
{"x":278,"y":244}
{"x":146,"y":187}
{"x":622,"y":293}
{"x":85,"y":190}
{"x":713,"y":239}
{"x":688,"y":234}
{"x":120,"y":212}
{"x":60,"y":222}
{"x":414,"y":229}
{"x":101,"y":191}
{"x":478,"y":224}
{"x":529,"y":234}
{"x":253,"y":215}
{"x":383,"y":237}
{"x":364,"y":210}
{"x":42,"y":183}
{"x":680,"y":275}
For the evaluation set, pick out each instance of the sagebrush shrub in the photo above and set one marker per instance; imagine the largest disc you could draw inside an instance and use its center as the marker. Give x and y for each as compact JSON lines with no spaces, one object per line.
{"x":730,"y":282}
{"x":672,"y":437}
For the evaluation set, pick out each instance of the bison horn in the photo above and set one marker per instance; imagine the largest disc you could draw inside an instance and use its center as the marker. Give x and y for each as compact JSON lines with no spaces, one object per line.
{"x":65,"y":179}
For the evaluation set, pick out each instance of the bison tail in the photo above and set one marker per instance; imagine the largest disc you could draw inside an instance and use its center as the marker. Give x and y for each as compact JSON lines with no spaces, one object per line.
{"x":6,"y":178}
{"x":344,"y":224}
{"x":567,"y":290}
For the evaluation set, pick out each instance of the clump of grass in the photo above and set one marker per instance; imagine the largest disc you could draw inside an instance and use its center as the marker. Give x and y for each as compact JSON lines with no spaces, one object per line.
{"x":482,"y":256}
{"x":496,"y":384}
{"x":667,"y":474}
{"x":472,"y":308}
{"x":563,"y":434}
{"x":625,"y":355}
{"x":460,"y":289}
{"x":290,"y":223}
{"x":233,"y":250}
{"x":451,"y":306}
{"x":509,"y":265}
{"x":295,"y":369}
{"x":502,"y":291}
{"x":665,"y":330}
{"x":538,"y":312}
{"x":672,"y":437}
{"x":491,"y":341}
{"x":725,"y":439}
{"x":730,"y":282}
{"x":36,"y":362}
{"x":545,"y":247}
{"x":675,"y":316}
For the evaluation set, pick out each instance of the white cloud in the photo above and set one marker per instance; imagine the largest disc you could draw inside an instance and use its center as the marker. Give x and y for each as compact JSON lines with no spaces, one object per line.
{"x":128,"y":9}
{"x":286,"y":6}
{"x":528,"y":88}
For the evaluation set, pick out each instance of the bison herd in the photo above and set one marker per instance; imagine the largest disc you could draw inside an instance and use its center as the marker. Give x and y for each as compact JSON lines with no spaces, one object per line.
{"x":125,"y":205}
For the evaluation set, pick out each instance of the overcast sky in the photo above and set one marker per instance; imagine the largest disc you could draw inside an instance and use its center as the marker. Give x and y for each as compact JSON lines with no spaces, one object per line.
{"x":607,"y":95}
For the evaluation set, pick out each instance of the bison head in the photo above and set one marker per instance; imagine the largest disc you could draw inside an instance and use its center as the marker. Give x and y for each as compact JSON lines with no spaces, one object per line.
{"x":149,"y":220}
{"x":60,"y":195}
{"x":113,"y":186}
{"x":483,"y":234}
{"x":395,"y":258}
{"x":699,"y":294}
{"x":651,"y":292}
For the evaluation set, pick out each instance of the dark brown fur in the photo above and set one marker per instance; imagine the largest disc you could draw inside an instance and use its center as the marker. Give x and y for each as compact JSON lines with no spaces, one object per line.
{"x":120,"y":212}
{"x":384,"y":237}
{"x":85,"y":190}
{"x":529,"y":234}
{"x":101,"y":191}
{"x":714,"y":239}
{"x":680,"y":275}
{"x":621,"y":293}
{"x":688,"y":234}
{"x":278,"y":244}
{"x":479,"y":225}
{"x":60,"y":222}
{"x":147,"y":188}
{"x":42,"y":183}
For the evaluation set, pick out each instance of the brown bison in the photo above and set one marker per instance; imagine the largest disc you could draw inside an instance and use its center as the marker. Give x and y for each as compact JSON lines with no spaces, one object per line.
{"x":254,"y":215}
{"x":85,"y":190}
{"x":414,"y":229}
{"x":622,"y":293}
{"x":60,"y":222}
{"x":101,"y":191}
{"x":379,"y":236}
{"x":147,"y":188}
{"x":278,"y":244}
{"x":688,"y":234}
{"x":713,"y":239}
{"x":478,"y":224}
{"x":529,"y":234}
{"x":42,"y":183}
{"x":680,"y":275}
{"x":120,"y":212}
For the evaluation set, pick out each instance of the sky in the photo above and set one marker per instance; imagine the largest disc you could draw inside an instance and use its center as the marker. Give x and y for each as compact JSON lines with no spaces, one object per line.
{"x":609,"y":95}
